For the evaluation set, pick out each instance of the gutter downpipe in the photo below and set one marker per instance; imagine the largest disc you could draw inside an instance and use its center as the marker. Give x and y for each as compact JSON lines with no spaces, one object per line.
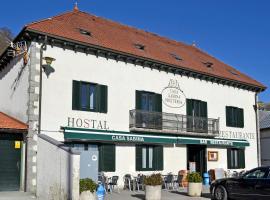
{"x":42,"y":48}
{"x":258,"y":131}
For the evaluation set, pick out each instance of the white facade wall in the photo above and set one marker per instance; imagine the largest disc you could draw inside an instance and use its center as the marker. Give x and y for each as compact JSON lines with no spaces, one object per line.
{"x":123,"y":79}
{"x":14,"y":86}
{"x":57,"y":172}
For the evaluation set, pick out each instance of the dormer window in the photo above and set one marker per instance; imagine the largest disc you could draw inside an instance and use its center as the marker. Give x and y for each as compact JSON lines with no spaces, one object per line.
{"x":208,"y":65}
{"x":85,"y":32}
{"x":233,"y":72}
{"x":175,"y":56}
{"x":139,"y":46}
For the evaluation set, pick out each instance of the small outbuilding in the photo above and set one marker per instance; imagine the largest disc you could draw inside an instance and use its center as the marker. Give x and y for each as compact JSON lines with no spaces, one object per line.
{"x":12,"y":153}
{"x":265,"y":136}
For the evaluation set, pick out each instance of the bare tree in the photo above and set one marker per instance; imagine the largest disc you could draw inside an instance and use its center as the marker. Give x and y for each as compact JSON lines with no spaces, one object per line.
{"x":5,"y":38}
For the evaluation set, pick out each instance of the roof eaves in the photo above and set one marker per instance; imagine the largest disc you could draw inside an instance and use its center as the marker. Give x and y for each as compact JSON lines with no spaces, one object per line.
{"x":260,"y":87}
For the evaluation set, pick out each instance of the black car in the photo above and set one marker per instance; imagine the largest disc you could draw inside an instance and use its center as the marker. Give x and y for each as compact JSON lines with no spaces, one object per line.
{"x":254,"y":184}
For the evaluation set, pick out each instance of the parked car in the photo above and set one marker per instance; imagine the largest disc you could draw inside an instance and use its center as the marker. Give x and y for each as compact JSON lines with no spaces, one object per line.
{"x":254,"y":184}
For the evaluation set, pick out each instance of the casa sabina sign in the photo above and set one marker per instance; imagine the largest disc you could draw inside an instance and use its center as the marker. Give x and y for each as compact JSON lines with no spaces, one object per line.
{"x":123,"y":138}
{"x":173,"y":96}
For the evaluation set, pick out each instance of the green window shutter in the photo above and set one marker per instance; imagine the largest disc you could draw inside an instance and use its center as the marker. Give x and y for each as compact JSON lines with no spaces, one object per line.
{"x":138,"y":158}
{"x":229,"y":158}
{"x":203,"y":109}
{"x":107,"y":157}
{"x":241,"y":116}
{"x":235,"y":117}
{"x":158,"y":158}
{"x":229,"y":116}
{"x":138,"y":100}
{"x":76,"y":95}
{"x":158,"y":102}
{"x":189,"y":107}
{"x":97,"y":98}
{"x":103,"y":98}
{"x":241,"y":158}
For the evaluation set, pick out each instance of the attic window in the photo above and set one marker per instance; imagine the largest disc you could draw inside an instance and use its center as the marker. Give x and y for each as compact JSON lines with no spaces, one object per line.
{"x":139,"y":46}
{"x":85,"y":32}
{"x":177,"y":57}
{"x":233,"y":72}
{"x":208,"y":64}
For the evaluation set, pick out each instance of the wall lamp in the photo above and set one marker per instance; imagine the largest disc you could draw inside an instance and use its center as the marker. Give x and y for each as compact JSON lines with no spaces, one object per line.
{"x":48,"y":69}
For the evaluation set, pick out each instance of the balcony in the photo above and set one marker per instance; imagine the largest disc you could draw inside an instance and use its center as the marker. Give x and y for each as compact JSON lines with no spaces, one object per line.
{"x":157,"y":122}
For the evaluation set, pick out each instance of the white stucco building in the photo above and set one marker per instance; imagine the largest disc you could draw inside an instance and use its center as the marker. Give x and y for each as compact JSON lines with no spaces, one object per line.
{"x":131,"y":101}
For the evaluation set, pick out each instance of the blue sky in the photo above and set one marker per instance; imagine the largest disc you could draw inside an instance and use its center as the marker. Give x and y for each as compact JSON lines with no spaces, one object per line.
{"x":234,"y":31}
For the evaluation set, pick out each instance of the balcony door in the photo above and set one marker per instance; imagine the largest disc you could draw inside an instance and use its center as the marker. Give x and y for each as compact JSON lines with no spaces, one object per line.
{"x":197,"y":116}
{"x":148,"y":110}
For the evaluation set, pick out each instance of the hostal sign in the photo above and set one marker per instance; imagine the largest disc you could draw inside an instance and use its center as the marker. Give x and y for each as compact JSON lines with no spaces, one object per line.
{"x":173,"y":96}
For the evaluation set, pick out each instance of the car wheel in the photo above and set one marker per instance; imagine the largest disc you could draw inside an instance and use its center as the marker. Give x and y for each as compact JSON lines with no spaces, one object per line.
{"x":220,"y":193}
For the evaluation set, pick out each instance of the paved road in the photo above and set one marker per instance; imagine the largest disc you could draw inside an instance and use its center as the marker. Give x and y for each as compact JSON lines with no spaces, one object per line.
{"x":166,"y":195}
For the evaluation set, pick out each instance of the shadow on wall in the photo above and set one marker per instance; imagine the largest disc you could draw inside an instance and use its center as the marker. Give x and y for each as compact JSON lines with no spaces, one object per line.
{"x":17,"y":79}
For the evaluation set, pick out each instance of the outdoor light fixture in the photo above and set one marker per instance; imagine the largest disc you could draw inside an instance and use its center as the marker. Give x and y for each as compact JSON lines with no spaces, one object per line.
{"x":48,"y":69}
{"x":49,"y":60}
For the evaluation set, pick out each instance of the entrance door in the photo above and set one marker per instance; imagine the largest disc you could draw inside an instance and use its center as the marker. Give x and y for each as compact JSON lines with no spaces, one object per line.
{"x":197,"y":154}
{"x":10,"y":158}
{"x":88,"y":161}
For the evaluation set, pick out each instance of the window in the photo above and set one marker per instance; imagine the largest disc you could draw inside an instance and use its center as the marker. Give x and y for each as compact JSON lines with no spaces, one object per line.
{"x":149,"y":110}
{"x":89,"y":97}
{"x":149,"y":158}
{"x":208,"y":64}
{"x":236,"y":158}
{"x":234,"y":117}
{"x":197,"y":115}
{"x":85,"y":32}
{"x":106,"y":158}
{"x":175,"y":56}
{"x":139,"y":46}
{"x":256,"y":173}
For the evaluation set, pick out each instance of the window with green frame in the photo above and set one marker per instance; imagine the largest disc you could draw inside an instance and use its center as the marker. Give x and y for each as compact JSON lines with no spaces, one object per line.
{"x":106,"y":161}
{"x":89,"y":97}
{"x":236,"y":158}
{"x":149,"y":158}
{"x":234,"y":117}
{"x":197,"y":115}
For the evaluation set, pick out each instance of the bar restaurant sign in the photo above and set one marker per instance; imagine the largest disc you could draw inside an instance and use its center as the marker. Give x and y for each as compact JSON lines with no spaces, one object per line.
{"x":173,"y":96}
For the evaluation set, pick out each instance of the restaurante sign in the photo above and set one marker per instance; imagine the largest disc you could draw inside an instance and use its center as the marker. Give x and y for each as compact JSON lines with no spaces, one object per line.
{"x":173,"y":96}
{"x":236,"y":135}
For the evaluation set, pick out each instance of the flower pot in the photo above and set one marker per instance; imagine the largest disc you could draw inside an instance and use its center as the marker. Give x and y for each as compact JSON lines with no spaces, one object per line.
{"x":194,"y":189}
{"x":153,"y":192}
{"x":87,"y":195}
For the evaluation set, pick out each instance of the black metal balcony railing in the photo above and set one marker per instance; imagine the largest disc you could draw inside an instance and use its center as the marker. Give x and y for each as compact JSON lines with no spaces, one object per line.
{"x":172,"y":123}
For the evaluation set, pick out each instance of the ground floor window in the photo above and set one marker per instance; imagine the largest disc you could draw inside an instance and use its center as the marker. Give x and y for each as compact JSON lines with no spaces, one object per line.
{"x":106,"y":157}
{"x":149,"y":158}
{"x":236,"y":158}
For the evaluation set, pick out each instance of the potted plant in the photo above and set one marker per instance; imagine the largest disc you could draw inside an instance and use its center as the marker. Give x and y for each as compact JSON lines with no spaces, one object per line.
{"x":153,"y":185}
{"x":194,"y":184}
{"x":87,"y":189}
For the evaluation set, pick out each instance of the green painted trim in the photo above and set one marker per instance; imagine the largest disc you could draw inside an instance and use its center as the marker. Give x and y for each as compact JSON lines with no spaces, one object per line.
{"x":120,"y":138}
{"x":131,"y":137}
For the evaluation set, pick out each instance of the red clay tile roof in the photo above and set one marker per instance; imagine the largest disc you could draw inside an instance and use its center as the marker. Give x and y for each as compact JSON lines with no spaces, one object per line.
{"x":115,"y":36}
{"x":8,"y":122}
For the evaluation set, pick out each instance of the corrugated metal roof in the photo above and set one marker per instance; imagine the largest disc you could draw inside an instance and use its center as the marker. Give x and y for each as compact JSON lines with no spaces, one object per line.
{"x":264,"y":118}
